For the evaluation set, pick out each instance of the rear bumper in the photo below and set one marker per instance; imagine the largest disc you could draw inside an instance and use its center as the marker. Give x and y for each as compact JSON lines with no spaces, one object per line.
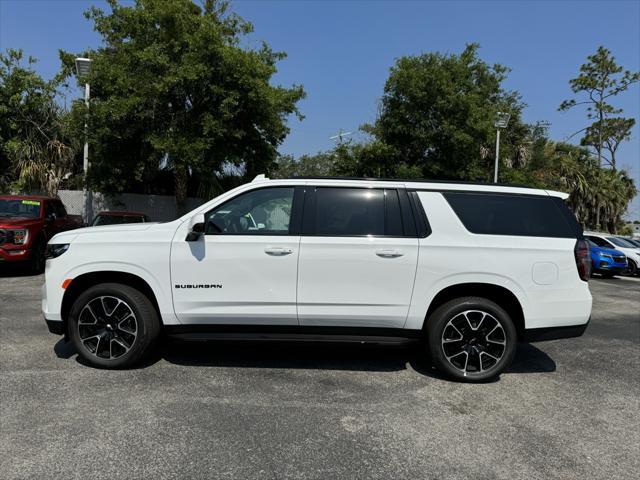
{"x":533,"y":335}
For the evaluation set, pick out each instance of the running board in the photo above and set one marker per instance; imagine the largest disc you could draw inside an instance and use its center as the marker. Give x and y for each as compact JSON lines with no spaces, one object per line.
{"x":292,"y":334}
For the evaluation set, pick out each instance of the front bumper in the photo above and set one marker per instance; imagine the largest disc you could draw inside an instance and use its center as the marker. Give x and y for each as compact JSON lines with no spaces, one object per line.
{"x":56,"y":327}
{"x":14,"y":254}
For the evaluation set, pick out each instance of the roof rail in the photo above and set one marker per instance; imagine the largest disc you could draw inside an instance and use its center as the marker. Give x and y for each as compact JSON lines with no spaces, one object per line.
{"x":414,"y":180}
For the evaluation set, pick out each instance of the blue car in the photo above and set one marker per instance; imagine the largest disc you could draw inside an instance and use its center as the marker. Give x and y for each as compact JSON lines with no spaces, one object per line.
{"x":606,"y":261}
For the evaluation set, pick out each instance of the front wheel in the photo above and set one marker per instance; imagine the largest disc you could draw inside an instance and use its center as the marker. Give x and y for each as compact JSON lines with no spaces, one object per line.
{"x":113,"y":326}
{"x":471,"y":339}
{"x":631,"y":270}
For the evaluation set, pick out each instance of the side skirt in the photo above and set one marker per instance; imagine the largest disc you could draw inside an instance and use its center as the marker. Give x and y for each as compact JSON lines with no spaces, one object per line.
{"x":280,"y":333}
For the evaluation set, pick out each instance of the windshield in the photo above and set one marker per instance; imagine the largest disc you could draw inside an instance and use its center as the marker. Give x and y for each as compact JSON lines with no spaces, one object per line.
{"x":115,"y":219}
{"x":621,"y":242}
{"x":20,"y":208}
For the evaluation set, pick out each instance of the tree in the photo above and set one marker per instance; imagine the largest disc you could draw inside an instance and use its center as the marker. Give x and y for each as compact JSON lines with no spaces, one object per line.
{"x":36,"y":151}
{"x":172,"y":89}
{"x":600,"y":80}
{"x":438,"y":112}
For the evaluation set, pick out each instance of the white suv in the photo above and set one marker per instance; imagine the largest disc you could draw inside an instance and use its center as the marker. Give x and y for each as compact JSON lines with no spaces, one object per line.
{"x":470,"y":269}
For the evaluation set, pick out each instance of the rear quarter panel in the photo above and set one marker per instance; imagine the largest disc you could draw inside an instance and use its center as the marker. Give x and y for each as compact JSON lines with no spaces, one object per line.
{"x":540,"y":272}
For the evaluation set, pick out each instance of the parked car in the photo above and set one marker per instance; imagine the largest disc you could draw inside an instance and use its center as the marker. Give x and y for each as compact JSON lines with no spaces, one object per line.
{"x":633,"y":241}
{"x":618,"y":243}
{"x":27,"y":223}
{"x":606,"y":261}
{"x":112,"y":217}
{"x":471,"y":269}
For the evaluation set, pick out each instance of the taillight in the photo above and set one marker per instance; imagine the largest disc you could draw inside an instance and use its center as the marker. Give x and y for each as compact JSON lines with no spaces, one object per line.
{"x":583,"y":259}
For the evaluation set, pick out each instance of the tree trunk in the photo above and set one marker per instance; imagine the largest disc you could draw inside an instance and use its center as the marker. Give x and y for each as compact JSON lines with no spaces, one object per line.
{"x":181,"y":179}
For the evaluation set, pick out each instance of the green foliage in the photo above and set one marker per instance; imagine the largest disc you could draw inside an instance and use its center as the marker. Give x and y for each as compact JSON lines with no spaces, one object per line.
{"x":600,"y":80}
{"x":173,"y":89}
{"x":36,"y":152}
{"x":438,"y":114}
{"x":321,"y":164}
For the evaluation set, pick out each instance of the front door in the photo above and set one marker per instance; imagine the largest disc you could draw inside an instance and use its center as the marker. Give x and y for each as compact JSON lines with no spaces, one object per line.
{"x":358,"y":258}
{"x":244,"y":269}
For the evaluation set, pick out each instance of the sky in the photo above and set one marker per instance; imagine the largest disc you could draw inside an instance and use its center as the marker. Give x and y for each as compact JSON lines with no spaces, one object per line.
{"x":341,"y":52}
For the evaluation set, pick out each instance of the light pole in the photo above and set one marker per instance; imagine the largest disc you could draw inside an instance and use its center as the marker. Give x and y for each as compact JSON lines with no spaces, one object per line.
{"x":83,"y":68}
{"x":502,"y":119}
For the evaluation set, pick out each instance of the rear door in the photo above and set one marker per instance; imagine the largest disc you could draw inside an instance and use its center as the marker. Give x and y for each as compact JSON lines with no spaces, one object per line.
{"x":358,"y":257}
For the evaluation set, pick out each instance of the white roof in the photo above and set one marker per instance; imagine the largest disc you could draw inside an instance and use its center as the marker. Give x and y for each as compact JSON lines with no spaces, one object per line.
{"x":420,"y":184}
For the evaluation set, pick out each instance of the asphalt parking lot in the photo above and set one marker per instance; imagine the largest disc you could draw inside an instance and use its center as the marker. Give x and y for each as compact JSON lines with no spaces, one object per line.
{"x":565,"y":409}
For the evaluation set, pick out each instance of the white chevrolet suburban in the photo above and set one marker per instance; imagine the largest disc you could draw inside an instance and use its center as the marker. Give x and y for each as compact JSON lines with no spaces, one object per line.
{"x":470,"y":269}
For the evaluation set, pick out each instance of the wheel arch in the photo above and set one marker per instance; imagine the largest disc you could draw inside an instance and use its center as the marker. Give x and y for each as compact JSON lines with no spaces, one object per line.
{"x":88,"y":280}
{"x":496,"y":293}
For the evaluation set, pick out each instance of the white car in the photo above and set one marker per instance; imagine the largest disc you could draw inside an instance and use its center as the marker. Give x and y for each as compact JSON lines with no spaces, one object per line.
{"x":471,"y":269}
{"x":618,"y":243}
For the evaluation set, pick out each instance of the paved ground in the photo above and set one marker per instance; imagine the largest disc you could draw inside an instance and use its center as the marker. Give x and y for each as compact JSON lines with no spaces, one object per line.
{"x":566,"y":409}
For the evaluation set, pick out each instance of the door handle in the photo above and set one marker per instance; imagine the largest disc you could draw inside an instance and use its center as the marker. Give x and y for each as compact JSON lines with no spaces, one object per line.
{"x":389,"y":253}
{"x":278,"y":251}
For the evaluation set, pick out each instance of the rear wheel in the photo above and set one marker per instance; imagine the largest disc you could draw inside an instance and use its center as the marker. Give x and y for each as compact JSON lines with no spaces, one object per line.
{"x":471,"y":339}
{"x":113,"y":326}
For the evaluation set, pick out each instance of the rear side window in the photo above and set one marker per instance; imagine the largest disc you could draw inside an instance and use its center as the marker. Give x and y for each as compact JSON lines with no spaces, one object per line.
{"x":504,"y":214}
{"x":349,"y":212}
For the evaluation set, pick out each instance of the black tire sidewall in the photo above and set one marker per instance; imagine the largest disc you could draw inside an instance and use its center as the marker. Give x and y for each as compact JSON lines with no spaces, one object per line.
{"x":146,"y":316}
{"x":438,"y":321}
{"x":37,"y":260}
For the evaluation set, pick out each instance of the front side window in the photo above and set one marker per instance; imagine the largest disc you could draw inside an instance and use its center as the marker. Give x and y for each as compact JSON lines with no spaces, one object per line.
{"x":260,"y":212}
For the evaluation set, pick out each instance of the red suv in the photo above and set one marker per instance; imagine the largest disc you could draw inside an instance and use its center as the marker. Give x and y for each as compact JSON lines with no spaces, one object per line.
{"x":26,"y":225}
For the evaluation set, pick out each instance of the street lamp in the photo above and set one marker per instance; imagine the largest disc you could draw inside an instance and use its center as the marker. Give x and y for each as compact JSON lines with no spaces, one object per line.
{"x":83,"y":68}
{"x":502,"y":119}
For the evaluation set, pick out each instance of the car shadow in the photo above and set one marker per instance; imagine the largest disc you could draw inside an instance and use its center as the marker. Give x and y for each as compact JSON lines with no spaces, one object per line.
{"x":530,"y":359}
{"x":8,"y":270}
{"x":314,"y":356}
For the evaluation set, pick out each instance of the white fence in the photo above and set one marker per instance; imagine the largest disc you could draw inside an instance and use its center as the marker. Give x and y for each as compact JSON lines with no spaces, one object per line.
{"x":159,"y":208}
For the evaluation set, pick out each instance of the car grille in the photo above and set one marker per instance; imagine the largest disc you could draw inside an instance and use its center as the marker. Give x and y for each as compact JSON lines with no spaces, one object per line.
{"x":3,"y":236}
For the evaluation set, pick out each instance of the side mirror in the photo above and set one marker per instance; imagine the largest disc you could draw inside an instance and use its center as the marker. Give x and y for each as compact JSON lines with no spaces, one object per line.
{"x":196,"y":228}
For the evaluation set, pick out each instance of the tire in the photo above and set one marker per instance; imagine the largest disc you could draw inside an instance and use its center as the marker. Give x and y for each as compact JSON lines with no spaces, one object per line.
{"x":471,"y":339}
{"x":36,"y":261}
{"x":113,"y":326}
{"x":631,"y":270}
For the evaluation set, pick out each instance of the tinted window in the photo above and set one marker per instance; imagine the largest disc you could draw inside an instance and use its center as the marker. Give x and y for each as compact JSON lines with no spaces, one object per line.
{"x":20,"y":208}
{"x":260,"y":212}
{"x":599,"y":241}
{"x":393,"y":216}
{"x":496,"y":214}
{"x":349,"y":212}
{"x":59,"y":209}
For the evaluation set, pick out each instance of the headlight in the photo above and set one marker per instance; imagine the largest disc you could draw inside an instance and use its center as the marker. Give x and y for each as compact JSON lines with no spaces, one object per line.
{"x":606,"y":255}
{"x":56,"y":249}
{"x":18,"y":237}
